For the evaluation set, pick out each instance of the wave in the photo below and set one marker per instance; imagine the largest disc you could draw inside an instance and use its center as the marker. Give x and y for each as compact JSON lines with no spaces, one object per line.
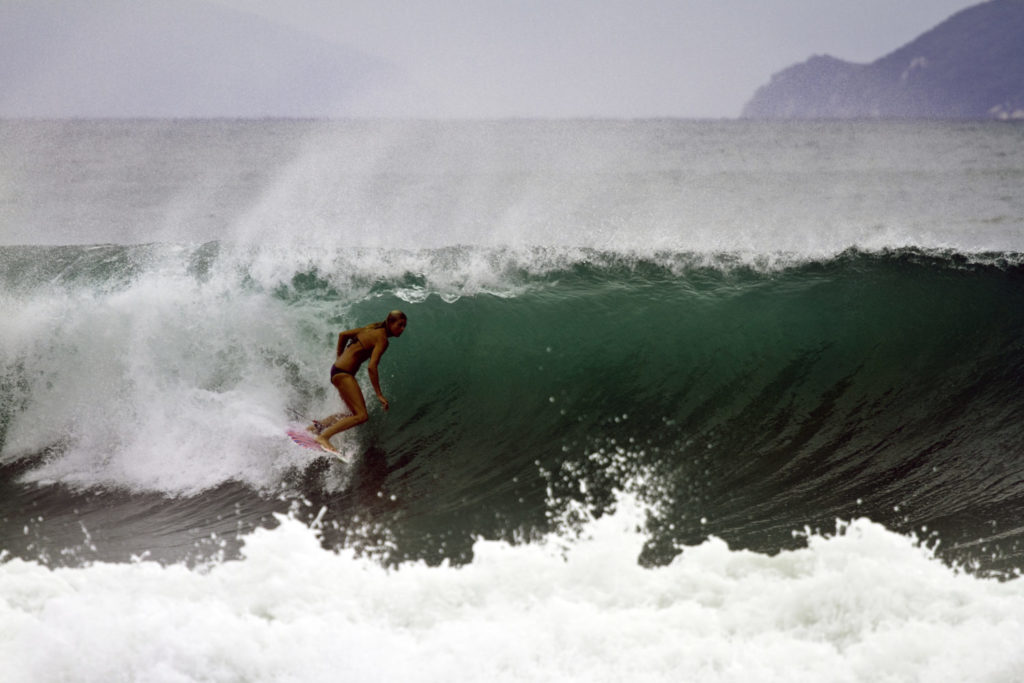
{"x":742,"y":395}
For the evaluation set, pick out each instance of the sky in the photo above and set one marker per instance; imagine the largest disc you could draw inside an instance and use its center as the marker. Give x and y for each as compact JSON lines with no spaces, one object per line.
{"x":428,"y":58}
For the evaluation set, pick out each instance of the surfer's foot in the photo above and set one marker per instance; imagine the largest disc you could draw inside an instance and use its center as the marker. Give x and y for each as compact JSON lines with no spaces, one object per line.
{"x":326,"y":445}
{"x":316,"y":427}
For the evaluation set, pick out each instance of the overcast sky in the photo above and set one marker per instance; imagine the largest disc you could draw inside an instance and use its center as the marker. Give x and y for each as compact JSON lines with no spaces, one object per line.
{"x":437,"y":58}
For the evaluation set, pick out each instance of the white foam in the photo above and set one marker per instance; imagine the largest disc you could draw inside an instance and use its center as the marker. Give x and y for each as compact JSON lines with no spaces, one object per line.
{"x":866,"y":605}
{"x":167,"y":383}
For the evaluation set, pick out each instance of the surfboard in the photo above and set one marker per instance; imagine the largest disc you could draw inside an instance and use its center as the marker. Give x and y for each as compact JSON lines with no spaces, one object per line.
{"x":307,"y":440}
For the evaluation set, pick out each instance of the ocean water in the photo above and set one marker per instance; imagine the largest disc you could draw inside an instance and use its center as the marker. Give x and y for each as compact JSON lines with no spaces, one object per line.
{"x":703,"y":401}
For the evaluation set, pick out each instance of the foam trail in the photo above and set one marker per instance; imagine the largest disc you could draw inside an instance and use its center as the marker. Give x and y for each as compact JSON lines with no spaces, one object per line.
{"x":863,"y":605}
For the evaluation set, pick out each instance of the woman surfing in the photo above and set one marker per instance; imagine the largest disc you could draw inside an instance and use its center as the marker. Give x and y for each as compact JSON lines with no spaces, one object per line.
{"x":354,"y":347}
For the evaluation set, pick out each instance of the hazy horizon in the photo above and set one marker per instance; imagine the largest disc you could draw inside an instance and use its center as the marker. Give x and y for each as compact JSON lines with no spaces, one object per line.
{"x":440,"y":59}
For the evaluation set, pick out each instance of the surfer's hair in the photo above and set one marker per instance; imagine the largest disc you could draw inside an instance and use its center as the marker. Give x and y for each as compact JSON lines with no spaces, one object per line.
{"x":393,"y":316}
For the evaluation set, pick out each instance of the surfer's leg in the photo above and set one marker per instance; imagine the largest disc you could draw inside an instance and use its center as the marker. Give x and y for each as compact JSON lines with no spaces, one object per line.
{"x":320,"y":425}
{"x":352,"y":395}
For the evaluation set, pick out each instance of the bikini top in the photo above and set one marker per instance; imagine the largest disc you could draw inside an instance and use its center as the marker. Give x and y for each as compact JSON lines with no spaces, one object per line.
{"x":361,"y":351}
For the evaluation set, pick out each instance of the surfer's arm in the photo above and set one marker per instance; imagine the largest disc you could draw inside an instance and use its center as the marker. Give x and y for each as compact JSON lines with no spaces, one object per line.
{"x":371,"y":370}
{"x":343,"y":339}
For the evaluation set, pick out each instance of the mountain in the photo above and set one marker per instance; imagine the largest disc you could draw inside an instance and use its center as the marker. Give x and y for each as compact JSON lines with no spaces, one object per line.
{"x":971,"y":66}
{"x":169,"y":58}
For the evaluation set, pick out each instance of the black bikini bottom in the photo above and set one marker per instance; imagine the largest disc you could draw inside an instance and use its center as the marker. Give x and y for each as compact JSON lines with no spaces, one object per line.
{"x":335,"y":370}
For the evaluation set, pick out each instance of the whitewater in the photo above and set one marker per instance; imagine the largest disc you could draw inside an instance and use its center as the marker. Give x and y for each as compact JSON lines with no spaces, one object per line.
{"x":864,"y":605}
{"x":709,"y":401}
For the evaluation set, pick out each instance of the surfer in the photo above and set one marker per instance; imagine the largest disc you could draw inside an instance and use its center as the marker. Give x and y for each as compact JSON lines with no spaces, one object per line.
{"x":354,"y":347}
